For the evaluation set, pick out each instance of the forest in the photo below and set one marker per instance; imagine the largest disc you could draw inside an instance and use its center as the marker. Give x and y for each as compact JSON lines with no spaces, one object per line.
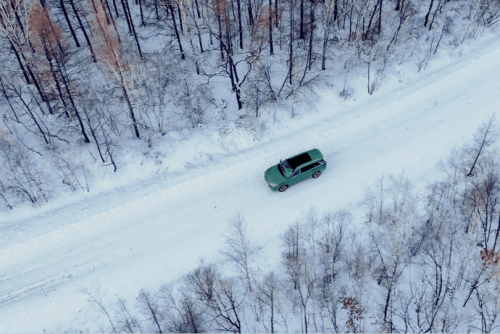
{"x":411,"y":262}
{"x":82,"y":80}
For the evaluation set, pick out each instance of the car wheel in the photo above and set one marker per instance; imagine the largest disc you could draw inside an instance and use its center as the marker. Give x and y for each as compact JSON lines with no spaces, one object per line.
{"x":283,"y":188}
{"x":317,"y":174}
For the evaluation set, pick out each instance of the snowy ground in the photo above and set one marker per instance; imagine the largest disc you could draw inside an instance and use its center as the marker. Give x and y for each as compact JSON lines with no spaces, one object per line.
{"x":125,"y":235}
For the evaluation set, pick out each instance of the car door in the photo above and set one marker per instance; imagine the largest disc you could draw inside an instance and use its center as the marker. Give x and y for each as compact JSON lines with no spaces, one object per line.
{"x":300,"y":174}
{"x":308,"y":171}
{"x":296,"y":177}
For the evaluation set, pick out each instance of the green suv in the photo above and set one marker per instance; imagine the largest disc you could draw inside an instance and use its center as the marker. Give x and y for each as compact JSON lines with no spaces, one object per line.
{"x":295,"y":169}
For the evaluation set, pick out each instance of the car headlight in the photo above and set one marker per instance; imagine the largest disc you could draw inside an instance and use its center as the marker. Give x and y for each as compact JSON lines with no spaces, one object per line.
{"x":273,"y":184}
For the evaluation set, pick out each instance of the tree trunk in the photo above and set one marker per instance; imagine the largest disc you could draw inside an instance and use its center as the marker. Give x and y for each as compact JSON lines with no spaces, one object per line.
{"x":239,"y":23}
{"x":231,"y":74}
{"x":396,"y":33}
{"x":85,"y":137}
{"x":311,"y":37}
{"x":109,"y":10}
{"x":132,"y":27}
{"x":127,"y":17}
{"x":387,"y":302}
{"x":20,"y":24}
{"x":380,"y":17}
{"x":290,"y":59}
{"x":335,"y":10}
{"x":197,"y":29}
{"x":236,"y":87}
{"x":95,"y":10}
{"x":272,"y":310}
{"x":220,"y":38}
{"x":113,"y":23}
{"x":83,"y":30}
{"x":156,"y":10}
{"x":439,"y":7}
{"x":65,"y":80}
{"x":108,"y":151}
{"x":197,"y":8}
{"x":176,"y":32}
{"x":367,"y":31}
{"x":26,"y":77}
{"x":301,"y":35}
{"x":56,"y":81}
{"x":250,"y":12}
{"x":38,"y":88}
{"x":325,"y":45}
{"x":65,"y":12}
{"x":92,"y":131}
{"x":142,"y":15}
{"x":399,"y":5}
{"x":4,"y":91}
{"x":116,"y":8}
{"x":305,"y":318}
{"x":428,"y":13}
{"x":276,"y":12}
{"x":32,"y":115}
{"x":486,"y":133}
{"x":131,"y":110}
{"x":270,"y":27}
{"x":4,"y":200}
{"x":180,"y":19}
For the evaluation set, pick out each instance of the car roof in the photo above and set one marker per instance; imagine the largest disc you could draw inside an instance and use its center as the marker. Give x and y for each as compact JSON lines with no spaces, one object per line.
{"x":315,"y":154}
{"x":305,"y":157}
{"x":299,"y":160}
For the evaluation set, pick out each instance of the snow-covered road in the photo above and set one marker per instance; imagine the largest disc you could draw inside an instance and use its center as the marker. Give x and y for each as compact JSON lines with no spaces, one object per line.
{"x":142,"y":235}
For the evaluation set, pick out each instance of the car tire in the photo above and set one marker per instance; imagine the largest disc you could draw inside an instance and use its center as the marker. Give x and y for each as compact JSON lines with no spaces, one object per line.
{"x":283,"y":188}
{"x":317,"y":174}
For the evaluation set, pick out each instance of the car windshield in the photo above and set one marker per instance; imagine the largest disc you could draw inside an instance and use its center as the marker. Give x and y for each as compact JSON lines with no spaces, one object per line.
{"x":285,"y":167}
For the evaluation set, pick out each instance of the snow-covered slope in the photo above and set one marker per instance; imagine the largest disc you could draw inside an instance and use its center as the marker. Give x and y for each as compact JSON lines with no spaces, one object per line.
{"x":143,"y":234}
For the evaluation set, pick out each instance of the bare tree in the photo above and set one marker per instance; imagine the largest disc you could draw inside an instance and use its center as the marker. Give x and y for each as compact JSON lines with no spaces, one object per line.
{"x":390,"y":203}
{"x":483,"y":139}
{"x":222,"y":297}
{"x":392,"y":245}
{"x":21,"y":177}
{"x":98,"y":302}
{"x":47,"y":36}
{"x":109,"y":51}
{"x":126,"y":320}
{"x":440,"y":267}
{"x":148,"y":306}
{"x":182,"y":313}
{"x":484,"y":286}
{"x":268,"y":298}
{"x":239,"y":250}
{"x":332,"y":257}
{"x":82,"y":28}
{"x":299,"y":269}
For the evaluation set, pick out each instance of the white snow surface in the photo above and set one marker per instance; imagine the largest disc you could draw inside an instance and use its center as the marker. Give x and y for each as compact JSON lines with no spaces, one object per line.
{"x":127,"y":235}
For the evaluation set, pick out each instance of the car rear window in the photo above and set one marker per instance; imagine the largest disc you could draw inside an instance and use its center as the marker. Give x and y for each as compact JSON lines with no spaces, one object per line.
{"x":299,"y":160}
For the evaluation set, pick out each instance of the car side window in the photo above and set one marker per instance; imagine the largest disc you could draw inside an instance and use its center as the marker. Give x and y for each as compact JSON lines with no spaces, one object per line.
{"x":311,"y":166}
{"x":297,"y":172}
